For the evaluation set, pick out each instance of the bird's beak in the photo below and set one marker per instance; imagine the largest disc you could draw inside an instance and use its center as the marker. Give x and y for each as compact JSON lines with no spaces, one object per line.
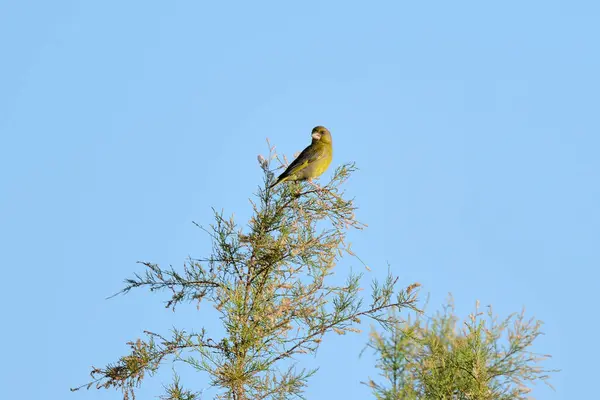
{"x":316,"y":135}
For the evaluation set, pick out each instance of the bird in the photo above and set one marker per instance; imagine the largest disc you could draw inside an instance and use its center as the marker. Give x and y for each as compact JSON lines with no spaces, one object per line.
{"x":313,"y":160}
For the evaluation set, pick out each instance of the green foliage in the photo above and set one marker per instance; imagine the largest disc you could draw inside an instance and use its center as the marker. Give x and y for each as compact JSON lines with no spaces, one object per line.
{"x":269,"y":282}
{"x":482,"y":359}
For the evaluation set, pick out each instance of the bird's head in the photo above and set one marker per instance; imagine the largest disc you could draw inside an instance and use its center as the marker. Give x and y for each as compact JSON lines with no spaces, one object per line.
{"x":321,"y":133}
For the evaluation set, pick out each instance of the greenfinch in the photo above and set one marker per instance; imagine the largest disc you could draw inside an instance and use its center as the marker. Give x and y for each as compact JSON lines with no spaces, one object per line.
{"x":313,"y":160}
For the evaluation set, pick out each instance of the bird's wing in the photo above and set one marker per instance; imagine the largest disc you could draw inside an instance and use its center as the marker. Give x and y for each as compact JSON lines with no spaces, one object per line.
{"x":309,"y":155}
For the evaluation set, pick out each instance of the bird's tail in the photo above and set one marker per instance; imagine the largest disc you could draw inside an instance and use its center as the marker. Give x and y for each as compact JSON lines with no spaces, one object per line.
{"x":278,"y":181}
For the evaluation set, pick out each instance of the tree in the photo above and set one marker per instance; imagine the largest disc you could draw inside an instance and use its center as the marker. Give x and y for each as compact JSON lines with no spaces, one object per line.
{"x":269,"y":282}
{"x":433,"y":359}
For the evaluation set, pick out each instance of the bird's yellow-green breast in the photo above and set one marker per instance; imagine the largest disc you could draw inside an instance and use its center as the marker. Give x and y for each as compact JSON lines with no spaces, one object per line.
{"x":313,"y":161}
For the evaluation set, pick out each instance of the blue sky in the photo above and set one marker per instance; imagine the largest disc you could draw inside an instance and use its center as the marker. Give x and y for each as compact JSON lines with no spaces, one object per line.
{"x":474,"y":125}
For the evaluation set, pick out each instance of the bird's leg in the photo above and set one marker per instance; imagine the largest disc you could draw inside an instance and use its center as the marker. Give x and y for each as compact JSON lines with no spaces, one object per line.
{"x":311,"y":183}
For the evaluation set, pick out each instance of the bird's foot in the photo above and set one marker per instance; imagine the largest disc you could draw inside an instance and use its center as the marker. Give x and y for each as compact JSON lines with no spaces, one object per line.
{"x":314,"y":185}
